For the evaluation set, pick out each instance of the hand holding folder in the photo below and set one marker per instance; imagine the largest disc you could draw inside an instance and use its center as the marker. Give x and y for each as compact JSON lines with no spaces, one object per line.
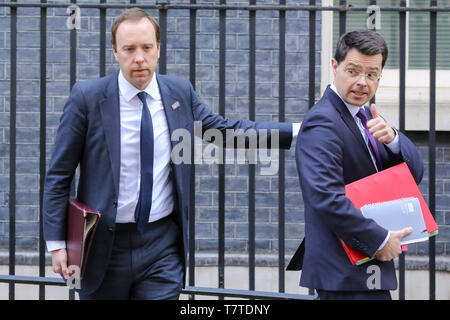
{"x":398,"y":215}
{"x":391,"y":184}
{"x":393,"y":248}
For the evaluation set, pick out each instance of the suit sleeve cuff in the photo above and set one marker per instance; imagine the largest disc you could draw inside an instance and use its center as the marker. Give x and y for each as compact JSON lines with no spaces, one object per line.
{"x":55,"y":245}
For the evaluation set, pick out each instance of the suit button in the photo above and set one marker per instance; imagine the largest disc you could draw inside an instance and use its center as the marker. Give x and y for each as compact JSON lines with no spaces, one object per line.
{"x":115,"y":204}
{"x":110,"y":229}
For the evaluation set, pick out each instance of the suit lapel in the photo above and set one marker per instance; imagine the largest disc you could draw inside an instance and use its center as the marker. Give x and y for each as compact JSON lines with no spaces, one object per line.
{"x":174,"y":111}
{"x":345,"y":114}
{"x":110,"y":113}
{"x":337,"y":102}
{"x":176,"y":119}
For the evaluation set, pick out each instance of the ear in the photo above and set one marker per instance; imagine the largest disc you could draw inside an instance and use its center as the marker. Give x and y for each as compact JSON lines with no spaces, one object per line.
{"x":334,"y":65}
{"x":114,"y":52}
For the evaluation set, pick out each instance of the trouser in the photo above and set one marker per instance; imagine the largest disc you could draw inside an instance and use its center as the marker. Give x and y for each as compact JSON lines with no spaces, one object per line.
{"x":143,"y":266}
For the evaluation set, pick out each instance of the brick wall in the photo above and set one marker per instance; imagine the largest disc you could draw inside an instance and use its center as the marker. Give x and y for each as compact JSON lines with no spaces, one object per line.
{"x":442,"y":187}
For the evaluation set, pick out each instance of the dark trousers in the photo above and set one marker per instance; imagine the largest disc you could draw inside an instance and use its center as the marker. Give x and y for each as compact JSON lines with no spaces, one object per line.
{"x":143,"y":266}
{"x":354,"y":295}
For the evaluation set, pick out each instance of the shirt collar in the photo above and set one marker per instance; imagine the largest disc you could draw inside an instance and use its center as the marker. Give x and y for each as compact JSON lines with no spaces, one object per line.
{"x":351,"y":107}
{"x":128,"y":91}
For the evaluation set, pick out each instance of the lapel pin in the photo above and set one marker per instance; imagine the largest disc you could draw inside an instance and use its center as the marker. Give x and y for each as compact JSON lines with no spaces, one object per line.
{"x":175,"y":105}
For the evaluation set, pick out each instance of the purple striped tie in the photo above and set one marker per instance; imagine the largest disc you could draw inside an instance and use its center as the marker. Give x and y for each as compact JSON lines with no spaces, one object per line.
{"x":373,"y":145}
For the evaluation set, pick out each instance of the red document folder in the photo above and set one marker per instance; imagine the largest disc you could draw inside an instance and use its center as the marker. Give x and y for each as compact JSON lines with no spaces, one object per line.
{"x":82,"y":222}
{"x":394,"y":183}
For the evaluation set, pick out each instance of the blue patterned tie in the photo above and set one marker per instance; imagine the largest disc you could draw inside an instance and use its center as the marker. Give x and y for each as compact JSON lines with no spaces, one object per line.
{"x":144,"y":204}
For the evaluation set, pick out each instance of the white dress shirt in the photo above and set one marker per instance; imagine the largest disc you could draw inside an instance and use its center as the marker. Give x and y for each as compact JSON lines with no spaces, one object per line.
{"x":394,"y":145}
{"x":130,"y":164}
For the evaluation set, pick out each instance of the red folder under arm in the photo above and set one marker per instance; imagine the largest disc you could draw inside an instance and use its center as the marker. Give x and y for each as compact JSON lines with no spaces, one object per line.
{"x":394,"y":183}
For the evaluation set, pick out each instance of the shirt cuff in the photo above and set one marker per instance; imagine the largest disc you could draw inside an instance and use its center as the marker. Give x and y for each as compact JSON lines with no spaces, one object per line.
{"x":295,"y":131}
{"x":55,"y":245}
{"x":394,"y":145}
{"x":384,"y":242}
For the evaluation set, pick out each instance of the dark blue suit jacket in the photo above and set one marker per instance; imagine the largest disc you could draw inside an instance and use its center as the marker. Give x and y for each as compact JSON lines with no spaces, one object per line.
{"x":331,"y":153}
{"x":89,"y":135}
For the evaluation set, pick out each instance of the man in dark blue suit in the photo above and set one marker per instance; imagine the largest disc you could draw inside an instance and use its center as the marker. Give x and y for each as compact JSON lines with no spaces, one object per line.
{"x":342,"y":141}
{"x":119,"y":129}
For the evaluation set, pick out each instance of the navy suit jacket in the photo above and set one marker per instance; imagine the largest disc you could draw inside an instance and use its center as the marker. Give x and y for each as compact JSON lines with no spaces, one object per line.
{"x":89,"y":136}
{"x":331,"y":153}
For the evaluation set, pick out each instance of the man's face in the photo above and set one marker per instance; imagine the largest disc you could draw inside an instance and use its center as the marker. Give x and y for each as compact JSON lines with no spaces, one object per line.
{"x":137,"y":51}
{"x":350,"y":80}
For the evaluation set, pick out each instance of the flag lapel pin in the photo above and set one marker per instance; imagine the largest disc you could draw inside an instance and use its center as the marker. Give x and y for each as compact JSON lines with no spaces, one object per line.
{"x":175,"y":105}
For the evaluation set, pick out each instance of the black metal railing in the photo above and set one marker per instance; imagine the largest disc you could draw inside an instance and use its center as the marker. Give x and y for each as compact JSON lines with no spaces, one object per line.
{"x":163,"y":7}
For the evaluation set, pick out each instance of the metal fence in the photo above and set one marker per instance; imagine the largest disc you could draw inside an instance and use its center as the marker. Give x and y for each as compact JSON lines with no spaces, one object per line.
{"x":314,"y":9}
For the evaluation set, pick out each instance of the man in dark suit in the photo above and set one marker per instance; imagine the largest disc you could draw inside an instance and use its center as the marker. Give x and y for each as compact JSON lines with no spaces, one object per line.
{"x":118,"y":129}
{"x":342,"y":141}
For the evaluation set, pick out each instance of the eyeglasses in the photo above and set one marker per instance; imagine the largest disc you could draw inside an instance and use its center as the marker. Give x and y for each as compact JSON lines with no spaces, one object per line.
{"x":371,"y":76}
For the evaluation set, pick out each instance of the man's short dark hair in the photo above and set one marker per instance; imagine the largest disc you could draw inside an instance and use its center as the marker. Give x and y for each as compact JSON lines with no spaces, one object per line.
{"x":366,"y":41}
{"x":133,"y":14}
